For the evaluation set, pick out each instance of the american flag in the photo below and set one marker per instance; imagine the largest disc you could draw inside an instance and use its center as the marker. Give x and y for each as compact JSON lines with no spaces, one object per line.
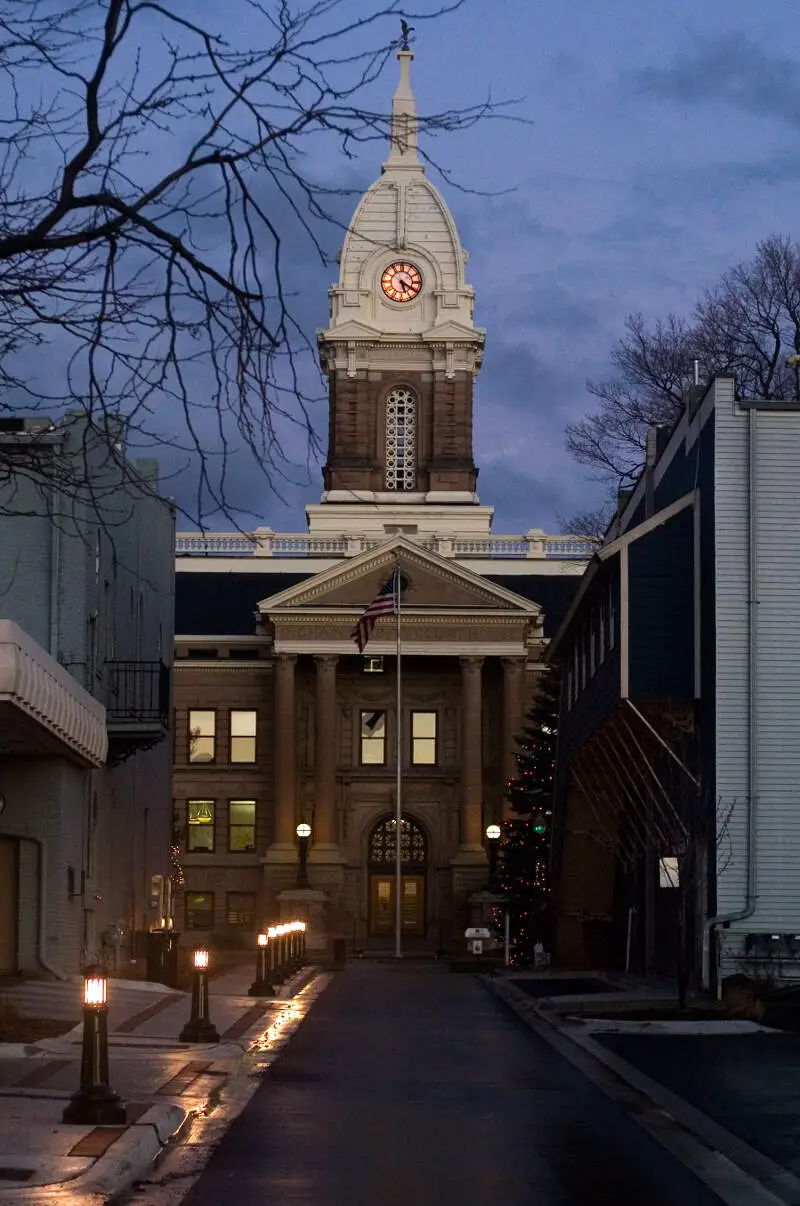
{"x":384,"y":604}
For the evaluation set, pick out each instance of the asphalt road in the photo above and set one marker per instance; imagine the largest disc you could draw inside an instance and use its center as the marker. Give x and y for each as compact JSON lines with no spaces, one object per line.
{"x":410,"y":1086}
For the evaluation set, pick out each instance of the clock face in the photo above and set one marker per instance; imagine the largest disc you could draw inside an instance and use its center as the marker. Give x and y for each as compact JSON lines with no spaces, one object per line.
{"x":401,"y":282}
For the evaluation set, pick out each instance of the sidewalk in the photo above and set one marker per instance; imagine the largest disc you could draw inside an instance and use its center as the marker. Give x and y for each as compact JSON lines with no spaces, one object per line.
{"x":163,"y":1082}
{"x":732,"y":1084}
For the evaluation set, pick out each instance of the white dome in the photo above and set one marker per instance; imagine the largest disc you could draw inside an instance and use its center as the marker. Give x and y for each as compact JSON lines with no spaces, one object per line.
{"x":402,"y":218}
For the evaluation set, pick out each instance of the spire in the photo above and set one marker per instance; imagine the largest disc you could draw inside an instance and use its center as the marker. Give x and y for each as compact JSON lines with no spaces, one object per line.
{"x":403,"y":136}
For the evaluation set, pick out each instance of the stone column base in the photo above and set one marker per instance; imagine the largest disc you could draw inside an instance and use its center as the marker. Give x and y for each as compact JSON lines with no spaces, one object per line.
{"x":311,"y":906}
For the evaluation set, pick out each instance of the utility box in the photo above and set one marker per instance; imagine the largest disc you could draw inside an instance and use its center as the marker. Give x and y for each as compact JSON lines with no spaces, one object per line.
{"x":479,"y":939}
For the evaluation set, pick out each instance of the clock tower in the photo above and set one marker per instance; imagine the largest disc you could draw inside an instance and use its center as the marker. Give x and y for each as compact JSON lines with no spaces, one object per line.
{"x":401,"y":353}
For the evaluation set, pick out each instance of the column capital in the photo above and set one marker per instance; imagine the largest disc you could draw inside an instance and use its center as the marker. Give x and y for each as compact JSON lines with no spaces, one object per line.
{"x":285,"y":659}
{"x":513,"y":663}
{"x":326,"y":661}
{"x":472,"y":663}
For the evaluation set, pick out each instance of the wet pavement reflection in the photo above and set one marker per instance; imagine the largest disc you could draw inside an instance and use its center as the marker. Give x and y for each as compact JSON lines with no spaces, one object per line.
{"x":409,"y":1086}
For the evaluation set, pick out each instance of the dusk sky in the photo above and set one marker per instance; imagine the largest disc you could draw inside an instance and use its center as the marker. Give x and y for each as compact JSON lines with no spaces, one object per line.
{"x":659,"y":145}
{"x":663,"y":144}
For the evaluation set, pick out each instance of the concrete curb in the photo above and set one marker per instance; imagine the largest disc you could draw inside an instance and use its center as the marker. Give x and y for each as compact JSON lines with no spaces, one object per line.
{"x":763,"y":1181}
{"x":126,"y":1161}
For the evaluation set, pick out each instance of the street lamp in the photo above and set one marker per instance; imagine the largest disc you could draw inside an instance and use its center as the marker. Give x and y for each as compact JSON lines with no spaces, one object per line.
{"x":492,"y":841}
{"x":95,"y":1104}
{"x":303,"y":832}
{"x":199,"y":1028}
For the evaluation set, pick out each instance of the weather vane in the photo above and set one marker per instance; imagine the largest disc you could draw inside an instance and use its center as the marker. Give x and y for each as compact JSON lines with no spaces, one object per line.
{"x":407,"y":31}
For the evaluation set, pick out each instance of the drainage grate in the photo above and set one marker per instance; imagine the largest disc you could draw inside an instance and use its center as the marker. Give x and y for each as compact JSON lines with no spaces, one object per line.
{"x":16,"y":1174}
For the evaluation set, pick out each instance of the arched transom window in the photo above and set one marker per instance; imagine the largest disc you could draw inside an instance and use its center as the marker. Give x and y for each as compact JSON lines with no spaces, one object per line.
{"x":382,"y":844}
{"x":401,"y":440}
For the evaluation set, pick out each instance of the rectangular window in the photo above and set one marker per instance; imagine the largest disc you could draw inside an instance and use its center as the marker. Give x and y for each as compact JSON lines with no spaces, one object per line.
{"x":372,"y":665}
{"x":576,"y":677}
{"x":243,"y":736}
{"x":423,"y":738}
{"x":593,"y":641}
{"x":240,"y":909}
{"x":241,"y":825}
{"x":373,"y":738}
{"x":199,"y":910}
{"x":202,"y":735}
{"x":199,"y":825}
{"x":612,"y":620}
{"x":602,"y":635}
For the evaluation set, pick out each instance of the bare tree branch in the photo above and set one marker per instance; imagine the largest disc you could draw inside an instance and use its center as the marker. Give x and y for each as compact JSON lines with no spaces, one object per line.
{"x":748,"y":324}
{"x":153,"y":172}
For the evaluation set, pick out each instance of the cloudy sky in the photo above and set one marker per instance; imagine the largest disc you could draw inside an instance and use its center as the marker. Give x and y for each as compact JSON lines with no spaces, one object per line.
{"x":660,"y":143}
{"x":664,"y":142}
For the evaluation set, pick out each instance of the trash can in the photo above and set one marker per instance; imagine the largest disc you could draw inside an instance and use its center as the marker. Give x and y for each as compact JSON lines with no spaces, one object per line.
{"x":162,"y":957}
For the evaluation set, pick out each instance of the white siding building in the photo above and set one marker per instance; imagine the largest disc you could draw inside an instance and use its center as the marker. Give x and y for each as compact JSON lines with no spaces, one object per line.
{"x":86,"y":623}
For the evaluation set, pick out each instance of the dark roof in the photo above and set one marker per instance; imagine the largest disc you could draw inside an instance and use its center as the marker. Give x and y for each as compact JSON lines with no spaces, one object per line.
{"x":553,"y":593}
{"x":213,"y":604}
{"x":209,"y":604}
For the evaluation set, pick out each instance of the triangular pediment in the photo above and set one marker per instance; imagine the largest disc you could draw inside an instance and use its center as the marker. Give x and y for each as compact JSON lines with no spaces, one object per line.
{"x":453,"y":332}
{"x":434,"y":583}
{"x":352,"y":329}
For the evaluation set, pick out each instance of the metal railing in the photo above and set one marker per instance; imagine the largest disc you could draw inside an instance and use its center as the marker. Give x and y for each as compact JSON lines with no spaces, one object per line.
{"x":263,"y":542}
{"x":138,"y":692}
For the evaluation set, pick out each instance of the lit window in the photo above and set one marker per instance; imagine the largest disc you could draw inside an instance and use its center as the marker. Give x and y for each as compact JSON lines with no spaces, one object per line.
{"x":202,"y":735}
{"x":243,"y":736}
{"x":240,"y":909}
{"x":423,"y":738}
{"x":241,"y":825}
{"x":199,"y":908}
{"x":401,"y":433}
{"x":200,"y":825}
{"x":373,"y":665}
{"x":373,"y":738}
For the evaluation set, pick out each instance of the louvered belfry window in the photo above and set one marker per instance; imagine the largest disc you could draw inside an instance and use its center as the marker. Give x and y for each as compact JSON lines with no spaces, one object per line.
{"x":401,"y":440}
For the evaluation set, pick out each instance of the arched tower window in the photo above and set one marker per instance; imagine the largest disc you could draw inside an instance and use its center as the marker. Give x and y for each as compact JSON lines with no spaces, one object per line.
{"x":401,"y":440}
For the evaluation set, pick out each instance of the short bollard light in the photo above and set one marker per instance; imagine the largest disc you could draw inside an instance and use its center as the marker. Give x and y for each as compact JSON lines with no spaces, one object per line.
{"x":95,"y":1104}
{"x":303,"y":940}
{"x":261,"y":986}
{"x":199,"y":1028}
{"x":273,"y":951}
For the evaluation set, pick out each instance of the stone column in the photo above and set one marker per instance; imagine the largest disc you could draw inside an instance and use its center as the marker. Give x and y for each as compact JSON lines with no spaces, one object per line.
{"x":513,"y":673}
{"x":471,"y":757}
{"x":285,"y":754}
{"x":325,"y":752}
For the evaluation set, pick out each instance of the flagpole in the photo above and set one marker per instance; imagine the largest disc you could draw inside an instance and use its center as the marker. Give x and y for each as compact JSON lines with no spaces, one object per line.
{"x":398,"y":911}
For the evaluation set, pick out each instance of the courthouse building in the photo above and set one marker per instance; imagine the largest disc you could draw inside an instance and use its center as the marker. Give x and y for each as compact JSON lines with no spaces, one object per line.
{"x":279,"y":720}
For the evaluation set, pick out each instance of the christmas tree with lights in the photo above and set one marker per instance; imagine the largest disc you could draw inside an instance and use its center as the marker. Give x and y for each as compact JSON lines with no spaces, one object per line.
{"x":525,"y":841}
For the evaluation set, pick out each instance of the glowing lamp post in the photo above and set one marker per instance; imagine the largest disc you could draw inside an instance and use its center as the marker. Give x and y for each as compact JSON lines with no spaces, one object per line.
{"x":199,"y":1028}
{"x":261,"y":986}
{"x":95,"y":1104}
{"x":303,"y":832}
{"x":492,"y":842}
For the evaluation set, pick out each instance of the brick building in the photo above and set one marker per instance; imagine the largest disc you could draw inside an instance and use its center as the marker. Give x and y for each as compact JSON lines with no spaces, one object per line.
{"x":279,"y":720}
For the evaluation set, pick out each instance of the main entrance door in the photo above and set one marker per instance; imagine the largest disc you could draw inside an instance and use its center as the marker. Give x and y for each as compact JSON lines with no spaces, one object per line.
{"x":412,"y":904}
{"x":383,"y":878}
